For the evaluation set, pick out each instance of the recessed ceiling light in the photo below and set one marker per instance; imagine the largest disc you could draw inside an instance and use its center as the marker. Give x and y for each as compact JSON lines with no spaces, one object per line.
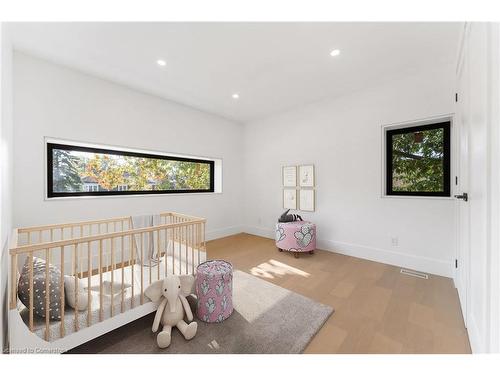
{"x":161,"y":62}
{"x":235,"y":96}
{"x":335,"y":52}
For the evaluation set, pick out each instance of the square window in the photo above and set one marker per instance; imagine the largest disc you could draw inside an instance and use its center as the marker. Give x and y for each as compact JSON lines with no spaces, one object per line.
{"x":418,"y":160}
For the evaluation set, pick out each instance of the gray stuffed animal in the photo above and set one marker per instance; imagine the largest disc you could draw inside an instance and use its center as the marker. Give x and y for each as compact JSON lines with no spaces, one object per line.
{"x":286,"y":218}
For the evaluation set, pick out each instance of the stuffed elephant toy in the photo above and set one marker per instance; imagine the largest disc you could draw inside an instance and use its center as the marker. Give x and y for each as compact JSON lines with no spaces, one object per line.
{"x":172,"y":292}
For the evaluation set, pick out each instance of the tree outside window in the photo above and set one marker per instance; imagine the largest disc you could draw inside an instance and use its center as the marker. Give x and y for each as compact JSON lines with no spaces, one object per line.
{"x":418,"y":160}
{"x":75,"y":170}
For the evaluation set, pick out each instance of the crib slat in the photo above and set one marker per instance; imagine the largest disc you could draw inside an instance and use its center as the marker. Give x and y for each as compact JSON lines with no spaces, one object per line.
{"x":112,"y":274}
{"x":123,"y":272}
{"x":150,"y":240}
{"x":75,"y":273}
{"x":47,"y":295}
{"x":31,"y":291}
{"x":13,"y":281}
{"x":89,"y":275}
{"x":142,"y":268}
{"x":80,"y":258}
{"x":195,"y":246}
{"x":165,"y":235}
{"x":186,"y":246}
{"x":200,"y":229}
{"x":61,"y":286}
{"x":132,"y":261}
{"x":158,"y":251}
{"x":100,"y":282}
{"x":173,"y":249}
{"x":192,"y":249}
{"x":203,"y":239}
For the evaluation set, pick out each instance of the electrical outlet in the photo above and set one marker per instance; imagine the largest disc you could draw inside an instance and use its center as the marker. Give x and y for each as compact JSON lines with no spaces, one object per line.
{"x":394,"y":241}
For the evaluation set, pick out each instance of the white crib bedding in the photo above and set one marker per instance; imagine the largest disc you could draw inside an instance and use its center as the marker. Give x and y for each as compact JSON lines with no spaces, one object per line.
{"x":181,"y":267}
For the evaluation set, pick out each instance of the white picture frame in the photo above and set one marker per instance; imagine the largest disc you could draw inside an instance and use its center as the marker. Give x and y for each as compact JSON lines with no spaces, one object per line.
{"x":289,"y":176}
{"x":307,"y":200}
{"x":290,"y":199}
{"x":306,"y":175}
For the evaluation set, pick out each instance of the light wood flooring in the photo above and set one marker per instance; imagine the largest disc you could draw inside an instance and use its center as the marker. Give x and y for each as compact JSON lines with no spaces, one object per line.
{"x":377,"y":309}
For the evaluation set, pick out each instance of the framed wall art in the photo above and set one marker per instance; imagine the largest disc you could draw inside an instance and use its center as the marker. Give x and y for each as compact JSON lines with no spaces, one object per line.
{"x":289,"y":176}
{"x":306,"y":175}
{"x":307,"y":200}
{"x":290,"y":199}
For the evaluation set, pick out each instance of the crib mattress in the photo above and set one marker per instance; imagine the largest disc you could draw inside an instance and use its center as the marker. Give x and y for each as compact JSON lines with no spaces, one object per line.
{"x":131,"y":275}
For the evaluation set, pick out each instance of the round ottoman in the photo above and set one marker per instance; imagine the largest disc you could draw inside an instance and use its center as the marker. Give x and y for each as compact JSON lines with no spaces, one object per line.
{"x":296,"y":236}
{"x":214,"y":288}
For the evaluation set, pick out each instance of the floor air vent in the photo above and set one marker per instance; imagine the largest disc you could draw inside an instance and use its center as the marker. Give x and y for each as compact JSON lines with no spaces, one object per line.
{"x":414,"y":274}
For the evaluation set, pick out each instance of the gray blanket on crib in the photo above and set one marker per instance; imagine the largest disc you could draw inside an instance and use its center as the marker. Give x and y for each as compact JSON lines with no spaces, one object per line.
{"x":149,"y":244}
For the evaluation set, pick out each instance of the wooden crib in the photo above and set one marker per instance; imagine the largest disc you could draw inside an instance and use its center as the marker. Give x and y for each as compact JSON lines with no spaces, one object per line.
{"x":98,"y":253}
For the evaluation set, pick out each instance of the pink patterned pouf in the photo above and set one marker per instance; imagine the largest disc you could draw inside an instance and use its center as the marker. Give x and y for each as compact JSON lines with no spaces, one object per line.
{"x":296,"y":236}
{"x":214,"y":288}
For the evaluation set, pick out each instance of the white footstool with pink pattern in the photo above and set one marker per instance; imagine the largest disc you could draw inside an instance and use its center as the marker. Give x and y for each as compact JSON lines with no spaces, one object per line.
{"x":214,"y":289}
{"x":296,"y":236}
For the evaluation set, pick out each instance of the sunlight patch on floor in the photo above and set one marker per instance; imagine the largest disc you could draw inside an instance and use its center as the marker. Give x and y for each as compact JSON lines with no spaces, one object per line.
{"x":273,"y":268}
{"x":253,"y":298}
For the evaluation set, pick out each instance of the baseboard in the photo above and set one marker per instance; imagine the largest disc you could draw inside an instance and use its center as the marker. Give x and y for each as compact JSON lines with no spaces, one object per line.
{"x":400,"y":259}
{"x":222,"y":232}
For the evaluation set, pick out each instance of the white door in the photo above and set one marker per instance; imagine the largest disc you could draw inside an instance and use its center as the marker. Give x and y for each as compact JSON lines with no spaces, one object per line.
{"x":461,"y":128}
{"x":476,"y":121}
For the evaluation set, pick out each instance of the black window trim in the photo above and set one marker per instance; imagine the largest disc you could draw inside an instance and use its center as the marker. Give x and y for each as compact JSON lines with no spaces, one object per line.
{"x":67,"y":146}
{"x":446,"y":126}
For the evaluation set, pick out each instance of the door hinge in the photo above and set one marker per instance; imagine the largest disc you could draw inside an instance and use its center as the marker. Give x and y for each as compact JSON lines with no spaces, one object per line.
{"x":456,"y":263}
{"x":456,"y":97}
{"x":456,"y":180}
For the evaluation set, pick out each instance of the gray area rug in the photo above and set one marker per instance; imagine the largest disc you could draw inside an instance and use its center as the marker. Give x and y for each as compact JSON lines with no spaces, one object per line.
{"x":266,"y":319}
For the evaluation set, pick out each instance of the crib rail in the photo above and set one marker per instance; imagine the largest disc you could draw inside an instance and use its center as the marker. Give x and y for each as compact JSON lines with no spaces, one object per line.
{"x":89,"y":250}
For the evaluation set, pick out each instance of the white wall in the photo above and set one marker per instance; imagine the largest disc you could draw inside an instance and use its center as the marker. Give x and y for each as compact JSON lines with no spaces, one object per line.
{"x":342,"y":137}
{"x":6,"y":130}
{"x":54,"y":101}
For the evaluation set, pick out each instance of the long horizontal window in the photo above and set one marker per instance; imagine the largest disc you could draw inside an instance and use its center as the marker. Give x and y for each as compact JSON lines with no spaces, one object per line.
{"x":418,"y":160}
{"x":74,"y":171}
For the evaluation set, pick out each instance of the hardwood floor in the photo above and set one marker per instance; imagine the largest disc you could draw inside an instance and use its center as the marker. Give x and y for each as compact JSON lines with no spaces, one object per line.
{"x":377,"y":310}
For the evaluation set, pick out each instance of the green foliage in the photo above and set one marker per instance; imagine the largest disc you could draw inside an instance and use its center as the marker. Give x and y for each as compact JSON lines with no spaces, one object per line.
{"x":417,"y":160}
{"x":139,"y":174}
{"x":66,"y":172}
{"x":106,"y":170}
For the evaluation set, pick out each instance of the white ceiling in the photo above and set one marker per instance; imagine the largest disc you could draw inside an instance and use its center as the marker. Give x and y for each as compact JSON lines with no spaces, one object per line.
{"x":273,"y":66}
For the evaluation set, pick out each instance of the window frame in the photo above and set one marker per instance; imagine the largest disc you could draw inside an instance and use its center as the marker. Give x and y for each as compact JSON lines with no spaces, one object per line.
{"x":51,"y":145}
{"x":438,"y":124}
